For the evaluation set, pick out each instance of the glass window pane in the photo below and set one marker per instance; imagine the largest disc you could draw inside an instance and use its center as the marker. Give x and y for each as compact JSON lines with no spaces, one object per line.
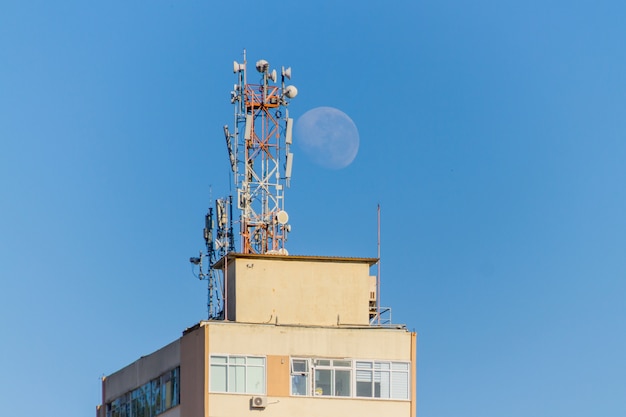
{"x":156,"y":396}
{"x":364,"y":376}
{"x":256,"y":361}
{"x":382,"y":365}
{"x":363,"y":389}
{"x":381,"y":384}
{"x":299,"y":384}
{"x":238,"y":360}
{"x":115,"y":408}
{"x":400,"y":385}
{"x":176,"y":387}
{"x":299,"y":365}
{"x":299,"y":377}
{"x":164,"y":380}
{"x":135,"y":402}
{"x":322,"y":362}
{"x":236,"y":378}
{"x":400,"y":366}
{"x":364,"y":365}
{"x":218,"y":359}
{"x":255,"y":381}
{"x":147,"y":393}
{"x":364,"y":381}
{"x":218,"y":380}
{"x":168,"y":393}
{"x":342,"y":363}
{"x":323,"y":382}
{"x":342,"y":383}
{"x":123,"y":410}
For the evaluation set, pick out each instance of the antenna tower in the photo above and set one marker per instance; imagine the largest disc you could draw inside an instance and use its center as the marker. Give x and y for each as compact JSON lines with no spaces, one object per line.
{"x":260,"y":158}
{"x":219,"y":241}
{"x":261,"y":164}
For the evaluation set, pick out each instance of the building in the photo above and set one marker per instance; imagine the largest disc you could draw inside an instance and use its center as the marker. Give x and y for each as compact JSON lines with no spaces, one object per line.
{"x":286,"y":335}
{"x":296,"y":340}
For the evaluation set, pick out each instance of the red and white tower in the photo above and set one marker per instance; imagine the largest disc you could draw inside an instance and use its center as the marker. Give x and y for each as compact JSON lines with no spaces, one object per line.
{"x":260,"y":157}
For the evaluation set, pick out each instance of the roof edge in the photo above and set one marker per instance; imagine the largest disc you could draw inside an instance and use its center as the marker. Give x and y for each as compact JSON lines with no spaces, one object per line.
{"x":235,"y":255}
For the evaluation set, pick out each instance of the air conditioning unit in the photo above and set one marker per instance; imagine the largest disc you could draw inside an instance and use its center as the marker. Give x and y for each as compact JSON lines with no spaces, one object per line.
{"x":258,"y":402}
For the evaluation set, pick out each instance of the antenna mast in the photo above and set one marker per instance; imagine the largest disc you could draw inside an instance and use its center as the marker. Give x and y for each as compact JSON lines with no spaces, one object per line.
{"x":260,"y":158}
{"x":219,"y":241}
{"x":261,"y":163}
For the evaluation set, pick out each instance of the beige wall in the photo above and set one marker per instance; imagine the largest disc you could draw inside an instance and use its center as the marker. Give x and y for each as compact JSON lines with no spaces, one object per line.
{"x":225,"y":405}
{"x":337,"y":342}
{"x":298,"y":290}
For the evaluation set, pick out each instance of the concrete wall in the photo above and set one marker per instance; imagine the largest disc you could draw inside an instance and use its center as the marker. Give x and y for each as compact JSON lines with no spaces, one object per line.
{"x":298,"y":290}
{"x":224,"y":405}
{"x":141,"y":371}
{"x":336,"y":342}
{"x":194,"y":374}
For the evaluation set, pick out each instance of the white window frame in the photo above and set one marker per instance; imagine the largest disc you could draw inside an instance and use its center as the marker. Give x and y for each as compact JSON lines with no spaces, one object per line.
{"x":232,"y":364}
{"x":390,"y":380}
{"x":306,"y":374}
{"x":334,"y":367}
{"x":398,"y":385}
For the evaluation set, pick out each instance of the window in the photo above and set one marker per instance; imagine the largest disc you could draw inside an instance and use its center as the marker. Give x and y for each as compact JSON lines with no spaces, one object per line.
{"x":321,"y":377}
{"x":237,"y":374}
{"x":150,"y":399}
{"x":332,"y":377}
{"x":349,"y":378}
{"x":364,"y":378}
{"x":300,"y":377}
{"x":382,"y":379}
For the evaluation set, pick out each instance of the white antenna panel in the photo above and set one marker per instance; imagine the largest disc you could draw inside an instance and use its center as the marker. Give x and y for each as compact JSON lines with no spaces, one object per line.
{"x":289,"y":131}
{"x":289,"y":165}
{"x":248,"y":131}
{"x":240,"y":200}
{"x":222,"y":216}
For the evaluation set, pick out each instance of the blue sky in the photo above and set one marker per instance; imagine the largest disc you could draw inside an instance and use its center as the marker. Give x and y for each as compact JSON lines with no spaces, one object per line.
{"x":492,"y":134}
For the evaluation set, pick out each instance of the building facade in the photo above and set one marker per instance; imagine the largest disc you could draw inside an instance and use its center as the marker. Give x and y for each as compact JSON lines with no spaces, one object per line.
{"x":296,"y":340}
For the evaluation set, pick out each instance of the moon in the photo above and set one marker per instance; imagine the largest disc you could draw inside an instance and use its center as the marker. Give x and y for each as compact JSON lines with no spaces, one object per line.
{"x":328,"y":137}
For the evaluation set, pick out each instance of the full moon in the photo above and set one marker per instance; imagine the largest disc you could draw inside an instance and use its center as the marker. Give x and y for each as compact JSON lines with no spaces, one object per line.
{"x":328,"y":137}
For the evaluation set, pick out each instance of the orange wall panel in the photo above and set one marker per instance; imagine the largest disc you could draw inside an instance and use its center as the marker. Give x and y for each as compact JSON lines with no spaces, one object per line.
{"x":278,"y":376}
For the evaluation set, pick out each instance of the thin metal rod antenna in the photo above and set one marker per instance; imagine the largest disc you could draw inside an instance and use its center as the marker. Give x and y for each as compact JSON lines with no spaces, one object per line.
{"x":245,"y":61}
{"x":226,"y":288}
{"x":378,"y":271}
{"x":231,"y":236}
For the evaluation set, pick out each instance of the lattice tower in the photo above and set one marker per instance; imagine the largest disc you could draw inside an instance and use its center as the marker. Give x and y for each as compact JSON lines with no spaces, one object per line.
{"x":260,"y":157}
